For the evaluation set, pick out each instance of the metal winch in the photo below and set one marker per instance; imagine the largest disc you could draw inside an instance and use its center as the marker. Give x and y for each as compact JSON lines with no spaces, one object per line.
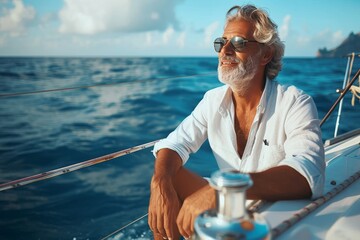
{"x":230,"y":220}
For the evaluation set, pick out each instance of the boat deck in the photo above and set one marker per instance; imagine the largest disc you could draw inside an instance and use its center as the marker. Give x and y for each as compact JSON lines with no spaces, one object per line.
{"x":338,"y":218}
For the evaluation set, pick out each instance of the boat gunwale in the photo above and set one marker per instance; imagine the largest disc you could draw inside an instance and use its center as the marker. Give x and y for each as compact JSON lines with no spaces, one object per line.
{"x":342,"y":137}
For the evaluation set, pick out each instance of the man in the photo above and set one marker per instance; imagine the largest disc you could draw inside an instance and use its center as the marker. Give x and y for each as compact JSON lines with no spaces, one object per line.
{"x":253,"y":125}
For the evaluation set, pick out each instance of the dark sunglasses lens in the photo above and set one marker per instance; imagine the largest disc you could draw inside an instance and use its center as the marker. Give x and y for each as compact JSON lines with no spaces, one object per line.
{"x":238,"y":43}
{"x":218,"y":44}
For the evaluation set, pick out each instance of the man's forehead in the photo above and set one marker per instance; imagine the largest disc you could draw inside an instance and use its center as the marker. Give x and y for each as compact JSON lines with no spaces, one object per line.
{"x":239,"y":27}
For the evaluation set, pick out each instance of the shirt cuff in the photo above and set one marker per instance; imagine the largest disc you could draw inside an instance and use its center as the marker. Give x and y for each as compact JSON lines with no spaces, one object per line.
{"x":164,"y":143}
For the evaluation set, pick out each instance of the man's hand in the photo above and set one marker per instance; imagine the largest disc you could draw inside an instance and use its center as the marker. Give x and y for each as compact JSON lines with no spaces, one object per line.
{"x":163,"y":208}
{"x":164,"y":202}
{"x":196,"y":203}
{"x":172,"y":185}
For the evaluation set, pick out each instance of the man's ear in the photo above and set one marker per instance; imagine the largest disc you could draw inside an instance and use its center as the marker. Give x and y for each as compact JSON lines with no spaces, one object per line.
{"x":268,"y":53}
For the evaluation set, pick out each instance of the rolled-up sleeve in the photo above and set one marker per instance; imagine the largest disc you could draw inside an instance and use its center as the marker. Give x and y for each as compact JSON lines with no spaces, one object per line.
{"x":303,"y":147}
{"x":189,"y":135}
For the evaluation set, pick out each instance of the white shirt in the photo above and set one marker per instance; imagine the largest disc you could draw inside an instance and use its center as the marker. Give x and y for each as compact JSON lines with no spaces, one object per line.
{"x":285,"y":131}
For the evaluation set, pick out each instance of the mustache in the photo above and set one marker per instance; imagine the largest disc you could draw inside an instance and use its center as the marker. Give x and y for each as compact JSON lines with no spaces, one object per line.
{"x":230,"y":58}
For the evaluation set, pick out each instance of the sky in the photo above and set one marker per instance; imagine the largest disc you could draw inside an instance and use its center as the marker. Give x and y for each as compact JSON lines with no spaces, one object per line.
{"x":152,"y":28}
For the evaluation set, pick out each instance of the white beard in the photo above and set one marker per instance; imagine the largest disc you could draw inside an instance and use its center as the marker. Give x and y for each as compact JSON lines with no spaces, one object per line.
{"x":238,"y":78}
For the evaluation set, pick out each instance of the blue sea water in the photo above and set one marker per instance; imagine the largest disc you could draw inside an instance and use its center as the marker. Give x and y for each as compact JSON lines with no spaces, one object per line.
{"x":144,"y":100}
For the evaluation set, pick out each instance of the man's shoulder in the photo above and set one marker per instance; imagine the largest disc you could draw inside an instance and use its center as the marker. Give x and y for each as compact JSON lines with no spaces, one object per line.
{"x":287,"y":90}
{"x":217,"y":97}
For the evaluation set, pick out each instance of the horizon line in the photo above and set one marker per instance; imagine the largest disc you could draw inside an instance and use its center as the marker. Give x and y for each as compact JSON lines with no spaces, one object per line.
{"x":135,"y":56}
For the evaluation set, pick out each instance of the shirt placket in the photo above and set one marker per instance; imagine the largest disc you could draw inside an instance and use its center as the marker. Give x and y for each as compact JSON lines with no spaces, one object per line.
{"x":231,"y":112}
{"x":251,"y":139}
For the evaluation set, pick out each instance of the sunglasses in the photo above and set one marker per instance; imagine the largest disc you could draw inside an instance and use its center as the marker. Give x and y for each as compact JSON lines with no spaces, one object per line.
{"x":237,"y":43}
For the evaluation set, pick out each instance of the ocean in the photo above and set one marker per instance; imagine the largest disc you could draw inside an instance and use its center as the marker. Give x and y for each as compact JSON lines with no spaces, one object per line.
{"x":105,"y":105}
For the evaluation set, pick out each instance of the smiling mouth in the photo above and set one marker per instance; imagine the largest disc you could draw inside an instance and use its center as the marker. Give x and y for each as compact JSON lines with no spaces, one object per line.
{"x":228,"y":63}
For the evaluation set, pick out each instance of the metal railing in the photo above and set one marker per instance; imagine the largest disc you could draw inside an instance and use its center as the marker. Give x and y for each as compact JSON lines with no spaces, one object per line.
{"x":350,"y":63}
{"x":339,"y":100}
{"x":74,"y":167}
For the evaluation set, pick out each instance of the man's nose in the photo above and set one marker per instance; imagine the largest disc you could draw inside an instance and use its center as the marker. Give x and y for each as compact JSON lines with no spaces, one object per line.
{"x":228,"y":48}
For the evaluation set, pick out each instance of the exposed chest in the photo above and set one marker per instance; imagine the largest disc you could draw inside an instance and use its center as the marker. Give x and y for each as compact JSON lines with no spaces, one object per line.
{"x":242,"y":126}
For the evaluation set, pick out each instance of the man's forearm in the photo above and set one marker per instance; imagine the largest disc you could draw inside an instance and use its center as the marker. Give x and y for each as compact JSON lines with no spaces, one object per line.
{"x":167,"y":163}
{"x":164,"y":202}
{"x":279,"y":183}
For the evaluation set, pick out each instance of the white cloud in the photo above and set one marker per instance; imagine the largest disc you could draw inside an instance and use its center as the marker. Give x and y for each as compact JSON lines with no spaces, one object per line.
{"x":181,"y":39}
{"x":308,"y":44}
{"x":157,"y":39}
{"x":303,"y":40}
{"x":148,"y":38}
{"x":94,"y":16}
{"x":82,"y":42}
{"x":154,"y":16}
{"x":285,"y":27}
{"x":167,"y":34}
{"x":327,"y":38}
{"x":14,"y":20}
{"x":333,"y":38}
{"x":209,"y":32}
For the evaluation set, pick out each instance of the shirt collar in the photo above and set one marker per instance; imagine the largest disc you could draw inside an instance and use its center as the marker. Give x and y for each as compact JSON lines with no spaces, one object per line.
{"x":265,"y":96}
{"x":226,"y":102}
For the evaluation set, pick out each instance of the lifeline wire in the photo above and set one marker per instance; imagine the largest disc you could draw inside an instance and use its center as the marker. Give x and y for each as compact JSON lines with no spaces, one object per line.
{"x":74,"y":167}
{"x":127,"y":225}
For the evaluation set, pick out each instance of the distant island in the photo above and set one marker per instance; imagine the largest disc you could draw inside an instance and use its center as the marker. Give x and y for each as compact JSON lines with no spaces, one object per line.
{"x":349,"y":45}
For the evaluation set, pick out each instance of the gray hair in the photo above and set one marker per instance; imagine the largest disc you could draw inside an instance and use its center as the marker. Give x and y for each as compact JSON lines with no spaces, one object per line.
{"x":265,"y":32}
